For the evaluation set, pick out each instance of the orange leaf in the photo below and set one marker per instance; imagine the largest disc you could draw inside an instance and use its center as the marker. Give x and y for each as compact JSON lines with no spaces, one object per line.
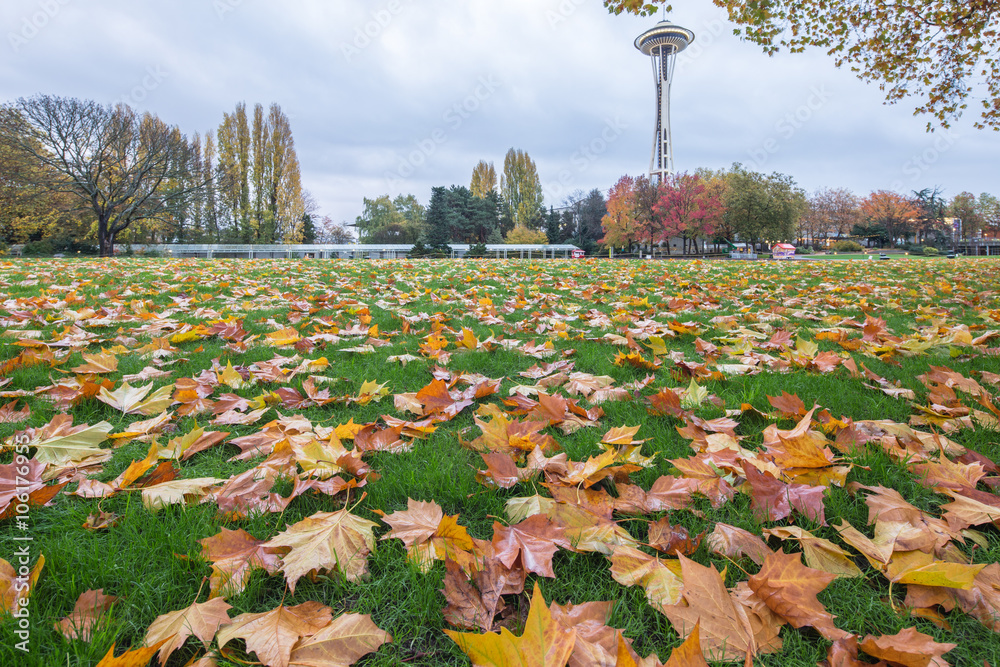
{"x":140,"y":657}
{"x":789,"y":588}
{"x":908,"y":648}
{"x":545,"y":642}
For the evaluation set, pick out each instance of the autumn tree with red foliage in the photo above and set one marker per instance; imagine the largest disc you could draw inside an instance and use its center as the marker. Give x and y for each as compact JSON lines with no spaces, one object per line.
{"x":686,"y":208}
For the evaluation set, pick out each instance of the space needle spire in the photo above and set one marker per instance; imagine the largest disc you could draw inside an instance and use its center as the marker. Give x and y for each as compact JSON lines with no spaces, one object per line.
{"x":662,"y":43}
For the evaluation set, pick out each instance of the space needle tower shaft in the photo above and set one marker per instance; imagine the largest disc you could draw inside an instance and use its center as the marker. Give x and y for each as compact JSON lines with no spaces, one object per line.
{"x":662,"y":43}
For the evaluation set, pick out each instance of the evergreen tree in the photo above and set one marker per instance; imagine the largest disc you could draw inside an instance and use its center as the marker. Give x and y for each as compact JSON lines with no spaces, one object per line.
{"x":552,"y":226}
{"x":438,"y":224}
{"x":308,"y":229}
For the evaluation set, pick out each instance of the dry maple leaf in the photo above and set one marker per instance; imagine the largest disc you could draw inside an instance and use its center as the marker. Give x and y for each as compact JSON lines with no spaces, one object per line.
{"x":983,"y":600}
{"x":326,"y":541}
{"x":789,"y":405}
{"x":670,"y":539}
{"x":688,"y":654}
{"x":545,"y":642}
{"x":734,"y":542}
{"x":535,"y":540}
{"x":819,"y":553}
{"x":139,"y":657}
{"x":273,"y":634}
{"x":347,"y":639}
{"x":9,"y":414}
{"x":789,"y":588}
{"x":472,"y":604}
{"x":18,"y":480}
{"x":415,"y":524}
{"x":138,"y":400}
{"x":200,"y":619}
{"x":726,"y":631}
{"x":773,"y":500}
{"x":596,"y":642}
{"x":234,"y":555}
{"x":908,"y":648}
{"x":87,"y":612}
{"x":13,"y":595}
{"x":60,"y":442}
{"x":428,"y":534}
{"x":659,"y":578}
{"x":103,"y":362}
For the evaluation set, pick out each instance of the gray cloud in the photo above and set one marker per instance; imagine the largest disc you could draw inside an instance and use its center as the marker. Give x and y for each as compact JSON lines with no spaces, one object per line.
{"x":384,"y":87}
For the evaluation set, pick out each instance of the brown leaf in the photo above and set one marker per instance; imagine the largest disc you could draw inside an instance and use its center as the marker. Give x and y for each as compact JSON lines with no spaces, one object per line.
{"x":789,"y":588}
{"x":908,"y":648}
{"x":173,"y":629}
{"x":343,"y":642}
{"x":672,"y":539}
{"x":468,"y":606}
{"x":545,"y":642}
{"x":326,"y":541}
{"x":659,"y":578}
{"x":234,"y":555}
{"x":596,"y":642}
{"x":734,"y":542}
{"x":87,"y":612}
{"x":773,"y":500}
{"x":272,"y":634}
{"x":9,"y":414}
{"x":819,"y":553}
{"x":789,"y":405}
{"x":689,"y":653}
{"x":536,"y":539}
{"x":725,"y":629}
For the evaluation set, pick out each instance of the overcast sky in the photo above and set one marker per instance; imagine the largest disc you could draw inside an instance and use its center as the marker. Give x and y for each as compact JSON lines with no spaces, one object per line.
{"x":397,"y":96}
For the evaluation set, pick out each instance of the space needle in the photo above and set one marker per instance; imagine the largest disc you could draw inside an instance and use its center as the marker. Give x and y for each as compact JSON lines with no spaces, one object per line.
{"x":662,"y":43}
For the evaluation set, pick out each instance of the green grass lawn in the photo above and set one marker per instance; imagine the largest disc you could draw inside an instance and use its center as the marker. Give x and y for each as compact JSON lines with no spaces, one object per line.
{"x":178,"y":317}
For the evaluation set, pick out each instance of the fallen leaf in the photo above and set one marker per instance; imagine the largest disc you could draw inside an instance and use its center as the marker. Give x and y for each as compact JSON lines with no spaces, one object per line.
{"x":170,"y":631}
{"x":347,"y":639}
{"x":908,"y":648}
{"x":87,"y":612}
{"x":789,"y":588}
{"x":326,"y":541}
{"x":273,"y":634}
{"x":545,"y":642}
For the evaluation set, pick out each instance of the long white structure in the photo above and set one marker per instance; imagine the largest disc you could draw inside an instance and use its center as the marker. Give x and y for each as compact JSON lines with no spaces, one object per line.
{"x":662,"y":43}
{"x":346,"y":251}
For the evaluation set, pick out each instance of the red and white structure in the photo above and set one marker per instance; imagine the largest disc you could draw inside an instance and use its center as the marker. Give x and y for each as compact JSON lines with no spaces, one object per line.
{"x":782,"y":251}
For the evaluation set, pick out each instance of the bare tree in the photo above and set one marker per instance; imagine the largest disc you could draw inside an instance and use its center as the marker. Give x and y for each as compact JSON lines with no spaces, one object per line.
{"x":831,"y":211}
{"x":331,"y":232}
{"x":122,"y":166}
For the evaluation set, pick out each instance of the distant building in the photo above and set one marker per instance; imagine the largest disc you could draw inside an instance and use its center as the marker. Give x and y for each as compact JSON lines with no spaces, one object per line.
{"x":782,"y":251}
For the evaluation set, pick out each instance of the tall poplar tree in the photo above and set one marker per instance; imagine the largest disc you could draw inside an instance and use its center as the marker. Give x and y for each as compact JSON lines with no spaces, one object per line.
{"x":521,"y":191}
{"x":484,"y":179}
